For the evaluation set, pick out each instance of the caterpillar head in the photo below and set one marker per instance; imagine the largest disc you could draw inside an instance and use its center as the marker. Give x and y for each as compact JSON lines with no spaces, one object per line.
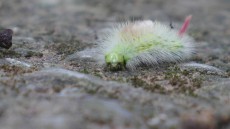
{"x":115,"y":61}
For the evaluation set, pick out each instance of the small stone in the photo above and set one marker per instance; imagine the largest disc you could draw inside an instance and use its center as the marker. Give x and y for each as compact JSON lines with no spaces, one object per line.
{"x":6,"y":38}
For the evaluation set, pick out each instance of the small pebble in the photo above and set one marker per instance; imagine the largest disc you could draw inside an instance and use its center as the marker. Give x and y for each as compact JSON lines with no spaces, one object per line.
{"x":6,"y":38}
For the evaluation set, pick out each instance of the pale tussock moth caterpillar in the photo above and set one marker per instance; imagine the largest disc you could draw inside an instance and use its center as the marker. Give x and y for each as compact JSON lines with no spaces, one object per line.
{"x":150,"y":42}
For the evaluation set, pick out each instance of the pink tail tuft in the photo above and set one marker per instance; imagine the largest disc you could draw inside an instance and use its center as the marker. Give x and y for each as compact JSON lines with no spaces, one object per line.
{"x":185,"y":25}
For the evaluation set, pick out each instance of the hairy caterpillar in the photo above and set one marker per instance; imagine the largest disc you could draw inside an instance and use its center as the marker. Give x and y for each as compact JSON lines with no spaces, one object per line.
{"x":145,"y":42}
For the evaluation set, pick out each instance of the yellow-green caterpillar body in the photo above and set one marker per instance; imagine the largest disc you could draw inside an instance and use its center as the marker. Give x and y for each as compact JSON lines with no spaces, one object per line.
{"x":145,"y":42}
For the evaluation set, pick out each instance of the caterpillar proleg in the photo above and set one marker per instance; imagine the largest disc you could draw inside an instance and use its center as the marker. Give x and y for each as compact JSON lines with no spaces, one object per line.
{"x":145,"y":42}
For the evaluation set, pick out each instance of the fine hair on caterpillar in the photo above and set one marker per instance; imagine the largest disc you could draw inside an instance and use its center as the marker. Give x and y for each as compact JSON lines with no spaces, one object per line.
{"x":129,"y":44}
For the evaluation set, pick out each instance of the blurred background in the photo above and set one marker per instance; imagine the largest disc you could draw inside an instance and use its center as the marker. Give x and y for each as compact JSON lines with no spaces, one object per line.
{"x":55,"y":20}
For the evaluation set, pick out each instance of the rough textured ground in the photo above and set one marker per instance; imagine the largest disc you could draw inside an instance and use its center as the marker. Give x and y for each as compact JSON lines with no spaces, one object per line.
{"x":49,"y":80}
